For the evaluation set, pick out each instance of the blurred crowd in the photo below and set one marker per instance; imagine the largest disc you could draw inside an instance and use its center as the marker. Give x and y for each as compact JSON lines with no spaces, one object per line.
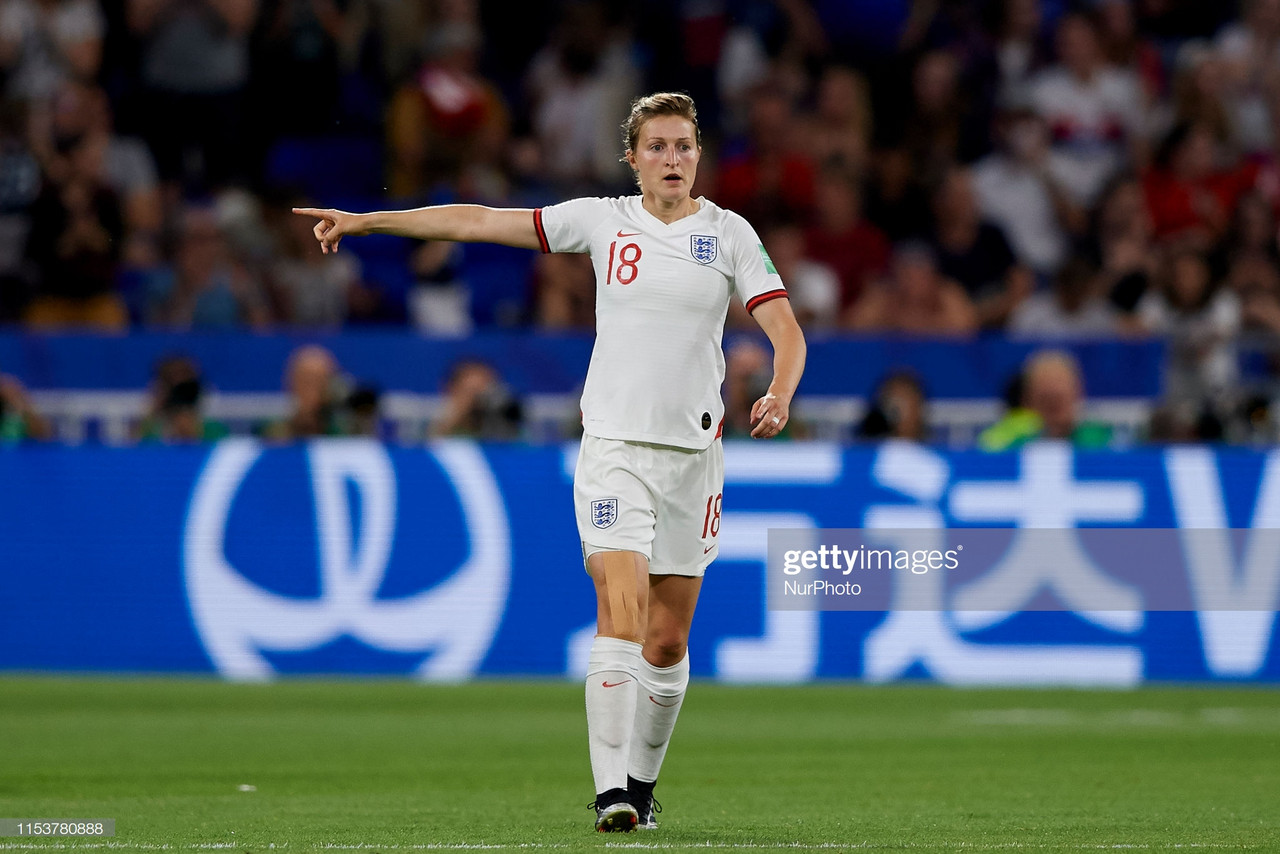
{"x":321,"y":399}
{"x":1040,"y":169}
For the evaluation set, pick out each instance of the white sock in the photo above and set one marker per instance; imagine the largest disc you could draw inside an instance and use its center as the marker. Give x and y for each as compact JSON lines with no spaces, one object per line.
{"x":657,"y":706}
{"x":611,"y":709}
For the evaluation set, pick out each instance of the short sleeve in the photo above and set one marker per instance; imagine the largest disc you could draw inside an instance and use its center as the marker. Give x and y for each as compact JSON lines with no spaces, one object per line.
{"x":755,"y":279}
{"x":567,"y":227}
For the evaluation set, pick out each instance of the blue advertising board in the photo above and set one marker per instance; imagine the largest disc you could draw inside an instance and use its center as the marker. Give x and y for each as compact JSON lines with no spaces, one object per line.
{"x":532,"y":362}
{"x":458,"y":559}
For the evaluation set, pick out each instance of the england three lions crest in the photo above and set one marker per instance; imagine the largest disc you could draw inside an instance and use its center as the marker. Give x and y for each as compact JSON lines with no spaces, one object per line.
{"x":604,"y":512}
{"x":705,"y":248}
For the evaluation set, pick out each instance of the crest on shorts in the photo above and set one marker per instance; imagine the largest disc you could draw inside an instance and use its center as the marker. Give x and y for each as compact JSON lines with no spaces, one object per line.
{"x":604,"y":512}
{"x":705,"y":248}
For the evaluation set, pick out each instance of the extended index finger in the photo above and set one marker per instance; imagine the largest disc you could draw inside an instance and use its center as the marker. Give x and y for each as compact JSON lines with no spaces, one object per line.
{"x":315,"y":212}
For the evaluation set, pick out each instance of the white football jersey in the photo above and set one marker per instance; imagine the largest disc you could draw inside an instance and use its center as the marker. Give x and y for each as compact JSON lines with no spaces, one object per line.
{"x":662,"y":293}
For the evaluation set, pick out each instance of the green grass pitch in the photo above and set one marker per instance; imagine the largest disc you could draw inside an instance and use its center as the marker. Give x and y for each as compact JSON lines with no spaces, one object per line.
{"x":398,"y":766}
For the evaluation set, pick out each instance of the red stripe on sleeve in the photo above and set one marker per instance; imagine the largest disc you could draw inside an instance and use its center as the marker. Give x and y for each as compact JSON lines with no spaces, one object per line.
{"x":760,"y":299}
{"x":542,"y":234}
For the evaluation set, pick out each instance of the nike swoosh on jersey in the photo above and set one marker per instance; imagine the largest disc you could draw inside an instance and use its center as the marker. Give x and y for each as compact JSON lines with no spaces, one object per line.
{"x":606,"y":684}
{"x":629,"y":234}
{"x":709,"y":548}
{"x":664,"y":705}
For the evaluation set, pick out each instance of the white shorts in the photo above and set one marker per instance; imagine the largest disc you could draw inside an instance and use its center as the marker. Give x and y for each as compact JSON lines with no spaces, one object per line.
{"x":660,"y":501}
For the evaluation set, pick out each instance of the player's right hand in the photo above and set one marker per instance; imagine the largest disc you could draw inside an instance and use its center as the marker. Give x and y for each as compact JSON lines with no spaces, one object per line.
{"x":332,"y":227}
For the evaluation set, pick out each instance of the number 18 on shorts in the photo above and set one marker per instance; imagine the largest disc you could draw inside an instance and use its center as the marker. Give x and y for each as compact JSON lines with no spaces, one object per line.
{"x":660,"y":501}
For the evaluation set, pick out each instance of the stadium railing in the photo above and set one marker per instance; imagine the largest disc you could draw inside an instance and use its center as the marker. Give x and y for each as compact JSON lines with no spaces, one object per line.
{"x":110,"y":417}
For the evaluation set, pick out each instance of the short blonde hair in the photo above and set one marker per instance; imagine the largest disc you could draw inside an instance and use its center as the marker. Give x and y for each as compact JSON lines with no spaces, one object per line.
{"x":658,"y":104}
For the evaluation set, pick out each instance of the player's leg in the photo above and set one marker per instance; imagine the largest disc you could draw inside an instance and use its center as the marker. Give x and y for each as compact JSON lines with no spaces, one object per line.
{"x":615,"y":521}
{"x":621,"y":581}
{"x":663,"y":678}
{"x":686,"y":539}
{"x":622,"y":594}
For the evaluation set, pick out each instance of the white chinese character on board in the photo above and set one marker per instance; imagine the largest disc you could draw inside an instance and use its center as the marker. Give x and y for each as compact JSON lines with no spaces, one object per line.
{"x":1048,"y":500}
{"x":923,"y":629}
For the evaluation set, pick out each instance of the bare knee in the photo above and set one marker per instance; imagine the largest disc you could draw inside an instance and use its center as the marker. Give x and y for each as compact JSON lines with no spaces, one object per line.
{"x":665,"y":649}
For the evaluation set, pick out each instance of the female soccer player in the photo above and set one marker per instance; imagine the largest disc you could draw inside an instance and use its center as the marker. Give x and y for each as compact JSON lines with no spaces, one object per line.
{"x":650,"y":473}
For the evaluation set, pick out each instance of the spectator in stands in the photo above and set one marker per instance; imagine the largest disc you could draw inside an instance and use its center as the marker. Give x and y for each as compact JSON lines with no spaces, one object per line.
{"x":1253,"y":423}
{"x":1253,"y":229}
{"x":439,"y":301}
{"x":1185,"y":421}
{"x":74,"y":245}
{"x":1095,"y":113}
{"x":748,"y":370}
{"x":1189,"y":196}
{"x":44,"y":43}
{"x":780,"y":43}
{"x":316,"y":396}
{"x":447,"y":116}
{"x":363,"y":416}
{"x":18,"y":417}
{"x":1250,"y":51}
{"x":896,"y":200}
{"x":578,"y":83}
{"x":955,"y":24}
{"x":195,"y":72}
{"x":311,"y":289}
{"x":122,"y":164}
{"x":838,"y":132}
{"x":1198,"y":96}
{"x":842,"y":238}
{"x":207,"y":287}
{"x":899,"y":409}
{"x":813,"y":287}
{"x":1018,"y":193}
{"x":1125,"y":48}
{"x":1255,"y":280}
{"x":1073,"y":308}
{"x":301,"y":51}
{"x":1200,"y":323}
{"x":915,"y":299}
{"x":18,"y":192}
{"x":975,"y":253}
{"x":741,"y":59}
{"x":1021,"y":49}
{"x":175,"y":406}
{"x":398,"y":29}
{"x":1051,"y":397}
{"x":935,"y":131}
{"x":774,"y":176}
{"x":564,"y":292}
{"x":1122,"y":247}
{"x":478,"y":404}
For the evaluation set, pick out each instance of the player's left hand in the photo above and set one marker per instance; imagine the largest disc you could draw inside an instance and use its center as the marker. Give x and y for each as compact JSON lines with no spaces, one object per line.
{"x":769,"y":415}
